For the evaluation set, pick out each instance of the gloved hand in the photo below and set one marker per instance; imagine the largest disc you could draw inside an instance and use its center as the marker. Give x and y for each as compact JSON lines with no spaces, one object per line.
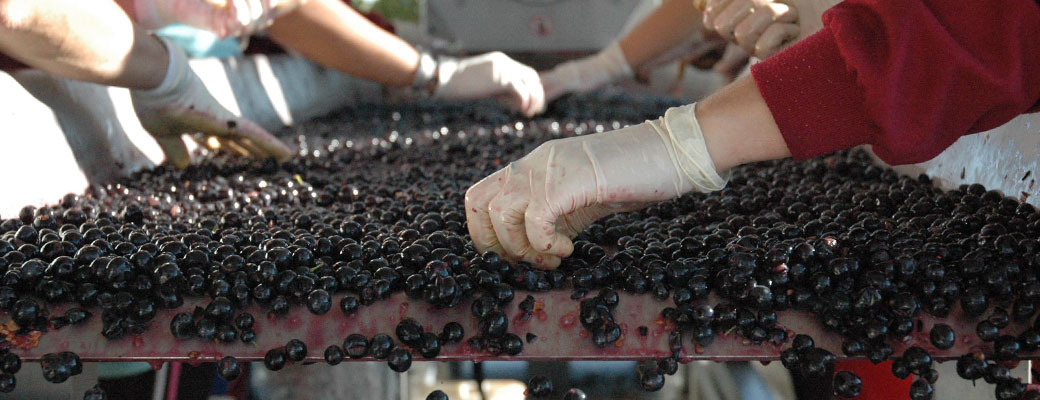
{"x":182,"y":105}
{"x":531,"y":209}
{"x":491,"y":75}
{"x":760,"y":27}
{"x":586,"y":74}
{"x":223,"y":18}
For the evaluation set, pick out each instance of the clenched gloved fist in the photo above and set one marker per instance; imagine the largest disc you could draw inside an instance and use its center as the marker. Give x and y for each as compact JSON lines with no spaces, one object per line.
{"x":182,"y":105}
{"x":491,"y":75}
{"x":586,"y":74}
{"x":760,"y":27}
{"x":531,"y":209}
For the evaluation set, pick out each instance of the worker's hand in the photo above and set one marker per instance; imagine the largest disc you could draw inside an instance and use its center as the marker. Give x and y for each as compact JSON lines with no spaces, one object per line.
{"x":586,"y":74}
{"x":223,"y":18}
{"x":182,"y":105}
{"x":531,"y":209}
{"x":733,"y":61}
{"x":761,"y":27}
{"x":491,"y":75}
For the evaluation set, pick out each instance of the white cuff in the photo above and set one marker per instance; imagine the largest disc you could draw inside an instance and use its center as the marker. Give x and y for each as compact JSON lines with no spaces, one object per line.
{"x":680,"y":128}
{"x":446,"y":68}
{"x":176,"y":68}
{"x":615,"y":61}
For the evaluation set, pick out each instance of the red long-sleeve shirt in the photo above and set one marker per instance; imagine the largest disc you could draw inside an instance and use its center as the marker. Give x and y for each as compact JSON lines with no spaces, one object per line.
{"x":908,"y":77}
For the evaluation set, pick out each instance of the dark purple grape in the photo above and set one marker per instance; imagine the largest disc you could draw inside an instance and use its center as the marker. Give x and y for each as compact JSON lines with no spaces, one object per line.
{"x":55,"y":369}
{"x":319,"y":302}
{"x":349,"y":305}
{"x":95,"y":393}
{"x":356,"y":345}
{"x":275,"y":359}
{"x":539,"y":386}
{"x":10,"y":363}
{"x":942,"y":336}
{"x":574,"y":394}
{"x":846,"y":384}
{"x":429,"y":345}
{"x":650,"y":378}
{"x":452,"y":333}
{"x":921,"y":390}
{"x":512,"y":344}
{"x":409,"y":332}
{"x":295,"y":350}
{"x":399,"y":359}
{"x":333,"y":355}
{"x":7,"y":382}
{"x":228,"y":368}
{"x":380,"y":346}
{"x":971,"y":368}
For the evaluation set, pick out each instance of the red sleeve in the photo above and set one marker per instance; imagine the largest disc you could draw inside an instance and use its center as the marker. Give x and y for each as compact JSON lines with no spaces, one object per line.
{"x":907,"y":77}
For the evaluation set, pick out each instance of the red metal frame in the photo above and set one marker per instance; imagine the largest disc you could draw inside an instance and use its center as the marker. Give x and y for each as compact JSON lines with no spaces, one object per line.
{"x":555,"y":322}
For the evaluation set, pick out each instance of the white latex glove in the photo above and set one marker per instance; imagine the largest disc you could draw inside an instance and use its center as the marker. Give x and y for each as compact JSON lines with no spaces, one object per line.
{"x":531,"y":209}
{"x":182,"y":105}
{"x":760,"y":27}
{"x":586,"y":74}
{"x":223,"y":18}
{"x":491,"y":75}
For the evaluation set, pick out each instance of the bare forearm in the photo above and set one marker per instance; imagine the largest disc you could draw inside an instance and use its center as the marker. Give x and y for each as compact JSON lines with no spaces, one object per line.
{"x":668,"y":26}
{"x":336,"y":36}
{"x":738,"y":127}
{"x":92,"y":41}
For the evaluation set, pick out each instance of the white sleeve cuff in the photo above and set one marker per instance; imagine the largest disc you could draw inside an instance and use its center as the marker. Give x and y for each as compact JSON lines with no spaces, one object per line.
{"x":680,"y":128}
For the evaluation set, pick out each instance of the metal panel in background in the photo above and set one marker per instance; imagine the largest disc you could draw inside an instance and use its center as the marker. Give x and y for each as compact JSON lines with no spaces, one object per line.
{"x":530,"y":25}
{"x":1006,"y":159}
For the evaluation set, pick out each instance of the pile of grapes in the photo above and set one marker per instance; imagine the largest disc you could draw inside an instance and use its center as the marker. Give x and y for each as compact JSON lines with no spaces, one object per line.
{"x":373,"y":205}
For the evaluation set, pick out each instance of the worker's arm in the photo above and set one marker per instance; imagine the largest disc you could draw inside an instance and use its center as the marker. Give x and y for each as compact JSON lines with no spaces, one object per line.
{"x":668,"y":26}
{"x":92,"y":41}
{"x":907,"y":77}
{"x":532,"y":209}
{"x":97,"y":42}
{"x":335,"y":35}
{"x":672,"y":26}
{"x":761,"y":27}
{"x":224,"y":18}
